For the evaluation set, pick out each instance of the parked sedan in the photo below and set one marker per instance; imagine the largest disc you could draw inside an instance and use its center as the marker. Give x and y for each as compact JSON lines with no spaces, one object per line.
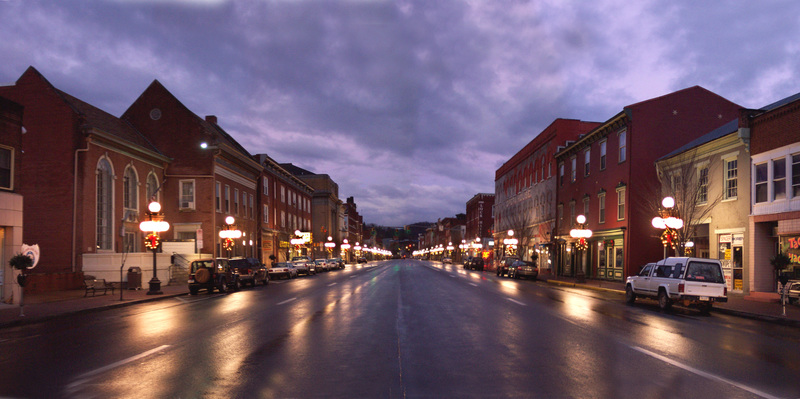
{"x":304,"y":267}
{"x":282,"y":269}
{"x":447,"y":260}
{"x":502,"y":267}
{"x":474,"y":263}
{"x":522,"y":268}
{"x":793,"y":294}
{"x":322,"y":265}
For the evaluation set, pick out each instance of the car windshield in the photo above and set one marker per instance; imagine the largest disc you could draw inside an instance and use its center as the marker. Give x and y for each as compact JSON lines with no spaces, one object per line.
{"x":704,"y":271}
{"x":282,"y":265}
{"x":319,"y":261}
{"x":296,"y":258}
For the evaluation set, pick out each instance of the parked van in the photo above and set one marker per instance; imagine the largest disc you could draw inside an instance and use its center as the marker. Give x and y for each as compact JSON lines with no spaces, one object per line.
{"x":696,"y":282}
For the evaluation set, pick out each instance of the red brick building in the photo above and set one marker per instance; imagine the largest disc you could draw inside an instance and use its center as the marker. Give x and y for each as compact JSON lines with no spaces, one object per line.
{"x":774,"y":133}
{"x":285,"y":208}
{"x":479,"y":224}
{"x":86,"y":176}
{"x":354,"y":225}
{"x":609,"y":176}
{"x":210,"y":177}
{"x":525,"y":193}
{"x":10,"y":201}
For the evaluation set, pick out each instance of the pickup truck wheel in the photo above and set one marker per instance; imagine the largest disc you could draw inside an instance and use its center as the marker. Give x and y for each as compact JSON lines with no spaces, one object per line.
{"x":630,"y":297}
{"x":663,"y":300}
{"x":193,"y":291}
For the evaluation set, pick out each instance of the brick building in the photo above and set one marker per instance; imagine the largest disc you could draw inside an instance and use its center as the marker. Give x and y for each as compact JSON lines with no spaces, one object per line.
{"x":285,"y":208}
{"x":87,"y":177}
{"x":609,"y":174}
{"x":479,"y":224}
{"x":353,"y":226}
{"x":774,"y":134}
{"x":525,"y":192}
{"x":11,"y":202}
{"x":210,"y":177}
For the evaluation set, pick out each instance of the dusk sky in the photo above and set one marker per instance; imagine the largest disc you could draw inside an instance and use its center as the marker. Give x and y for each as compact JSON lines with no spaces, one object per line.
{"x":410,"y":106}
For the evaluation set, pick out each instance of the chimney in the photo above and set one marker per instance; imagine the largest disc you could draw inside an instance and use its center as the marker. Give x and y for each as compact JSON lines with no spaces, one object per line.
{"x":211,"y":119}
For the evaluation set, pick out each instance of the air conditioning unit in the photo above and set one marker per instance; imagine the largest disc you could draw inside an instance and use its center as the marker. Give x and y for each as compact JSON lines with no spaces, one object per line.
{"x":187,"y":204}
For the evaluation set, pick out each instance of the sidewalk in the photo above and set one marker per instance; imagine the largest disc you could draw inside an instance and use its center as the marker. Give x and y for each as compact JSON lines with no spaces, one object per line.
{"x":49,"y":305}
{"x":43,"y":306}
{"x":737,"y":305}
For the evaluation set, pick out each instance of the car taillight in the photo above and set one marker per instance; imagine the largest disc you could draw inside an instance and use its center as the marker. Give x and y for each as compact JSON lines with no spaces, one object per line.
{"x":680,"y":287}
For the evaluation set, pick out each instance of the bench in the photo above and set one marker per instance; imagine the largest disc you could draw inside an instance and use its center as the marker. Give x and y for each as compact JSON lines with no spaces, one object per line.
{"x":96,"y":284}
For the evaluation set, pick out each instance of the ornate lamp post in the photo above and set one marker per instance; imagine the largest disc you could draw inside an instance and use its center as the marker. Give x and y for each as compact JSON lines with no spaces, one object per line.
{"x":229,"y":234}
{"x":450,"y":249}
{"x":345,"y":246}
{"x":667,"y":221}
{"x":581,"y":233}
{"x":510,"y":243}
{"x":154,"y":224}
{"x":330,"y":245}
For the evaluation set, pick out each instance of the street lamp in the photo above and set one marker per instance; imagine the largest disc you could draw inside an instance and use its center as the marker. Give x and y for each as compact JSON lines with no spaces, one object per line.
{"x":581,"y":234}
{"x":330,"y":245}
{"x":510,"y":243}
{"x":229,"y":234}
{"x":154,"y":224}
{"x":667,"y":221}
{"x":345,"y":246}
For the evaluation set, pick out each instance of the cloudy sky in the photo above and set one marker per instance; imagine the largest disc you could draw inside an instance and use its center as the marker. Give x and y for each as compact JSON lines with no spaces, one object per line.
{"x":410,"y":105}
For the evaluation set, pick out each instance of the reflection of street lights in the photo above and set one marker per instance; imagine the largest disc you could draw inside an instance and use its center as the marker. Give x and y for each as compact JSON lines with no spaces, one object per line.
{"x":667,"y":221}
{"x":229,"y":234}
{"x":581,"y":233}
{"x":154,"y":224}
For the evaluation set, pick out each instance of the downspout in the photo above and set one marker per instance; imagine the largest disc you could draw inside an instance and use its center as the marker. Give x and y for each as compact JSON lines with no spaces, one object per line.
{"x":75,"y":203}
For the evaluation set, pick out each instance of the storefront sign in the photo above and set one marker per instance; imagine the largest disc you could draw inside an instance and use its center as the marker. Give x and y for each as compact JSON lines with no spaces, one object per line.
{"x":725,"y":238}
{"x":791,"y":247}
{"x":266,"y":245}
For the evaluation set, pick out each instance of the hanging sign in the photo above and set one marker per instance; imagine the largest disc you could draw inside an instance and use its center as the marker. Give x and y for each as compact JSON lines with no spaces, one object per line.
{"x":31,"y":251}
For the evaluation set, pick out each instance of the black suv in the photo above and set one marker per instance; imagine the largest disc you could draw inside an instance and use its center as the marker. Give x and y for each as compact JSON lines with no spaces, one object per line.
{"x":474,"y":263}
{"x":502,"y":267}
{"x":212,"y":273}
{"x":250,"y":271}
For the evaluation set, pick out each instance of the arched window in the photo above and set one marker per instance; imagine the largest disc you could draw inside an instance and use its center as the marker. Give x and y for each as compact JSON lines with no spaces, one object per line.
{"x":152,"y":187}
{"x":104,"y":204}
{"x":130,"y":191}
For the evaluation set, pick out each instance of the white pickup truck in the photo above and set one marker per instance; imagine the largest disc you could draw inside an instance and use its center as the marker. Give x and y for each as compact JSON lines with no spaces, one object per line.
{"x":694,"y":282}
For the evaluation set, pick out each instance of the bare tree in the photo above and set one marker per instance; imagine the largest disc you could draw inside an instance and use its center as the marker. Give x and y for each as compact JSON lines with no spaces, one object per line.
{"x":686,"y":180}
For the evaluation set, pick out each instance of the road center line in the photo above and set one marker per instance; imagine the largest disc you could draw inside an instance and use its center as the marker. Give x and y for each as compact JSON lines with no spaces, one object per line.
{"x":331,"y":284}
{"x":473,"y":284}
{"x":703,"y":373}
{"x":517,"y":302}
{"x":286,"y":301}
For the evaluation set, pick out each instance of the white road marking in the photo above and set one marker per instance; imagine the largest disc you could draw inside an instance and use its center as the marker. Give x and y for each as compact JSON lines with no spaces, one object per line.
{"x":517,"y":302}
{"x":83,"y":378}
{"x":353,"y":276}
{"x":331,"y":284}
{"x":286,"y":301}
{"x":473,"y":284}
{"x":703,"y":373}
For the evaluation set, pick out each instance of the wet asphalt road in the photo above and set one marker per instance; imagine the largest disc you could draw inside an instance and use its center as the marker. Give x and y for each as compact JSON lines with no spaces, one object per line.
{"x":400,"y":329}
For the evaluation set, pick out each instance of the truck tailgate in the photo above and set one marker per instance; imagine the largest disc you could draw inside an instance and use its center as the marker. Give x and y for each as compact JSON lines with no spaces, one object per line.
{"x":701,"y":289}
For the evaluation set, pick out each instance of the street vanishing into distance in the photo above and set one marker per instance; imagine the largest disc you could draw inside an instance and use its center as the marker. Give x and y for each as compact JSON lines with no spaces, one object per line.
{"x":397,"y":329}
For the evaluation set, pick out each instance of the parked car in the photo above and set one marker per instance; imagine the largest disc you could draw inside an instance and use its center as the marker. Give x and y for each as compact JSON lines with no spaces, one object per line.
{"x":447,"y":260}
{"x":209,"y":274}
{"x":250,"y":271}
{"x":474,"y":263}
{"x":362,"y":260}
{"x":523,"y":268}
{"x":502,"y":267}
{"x":283,"y":269}
{"x":339,"y":263}
{"x":322,"y":265}
{"x":301,"y":258}
{"x":793,"y":294}
{"x":306,"y":267}
{"x":696,"y":282}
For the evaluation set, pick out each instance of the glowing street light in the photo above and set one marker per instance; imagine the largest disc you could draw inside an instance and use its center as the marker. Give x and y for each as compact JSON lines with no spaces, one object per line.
{"x":154,"y":224}
{"x":667,"y":221}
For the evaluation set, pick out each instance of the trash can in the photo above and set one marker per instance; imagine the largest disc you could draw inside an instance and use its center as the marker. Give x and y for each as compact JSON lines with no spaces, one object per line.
{"x":134,"y":278}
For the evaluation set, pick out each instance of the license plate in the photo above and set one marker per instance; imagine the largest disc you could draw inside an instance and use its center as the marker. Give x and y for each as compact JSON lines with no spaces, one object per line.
{"x":703,"y":298}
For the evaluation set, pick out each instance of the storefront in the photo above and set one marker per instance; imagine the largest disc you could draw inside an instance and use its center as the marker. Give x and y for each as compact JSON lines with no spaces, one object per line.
{"x":790,"y":246}
{"x":611,"y":259}
{"x":731,"y":246}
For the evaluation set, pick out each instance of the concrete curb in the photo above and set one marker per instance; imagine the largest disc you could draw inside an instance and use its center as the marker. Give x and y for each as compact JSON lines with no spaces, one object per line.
{"x":584,"y":286}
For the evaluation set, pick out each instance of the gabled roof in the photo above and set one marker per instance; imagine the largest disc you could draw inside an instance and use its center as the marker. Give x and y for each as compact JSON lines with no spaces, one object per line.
{"x":722,"y":131}
{"x":781,"y":103}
